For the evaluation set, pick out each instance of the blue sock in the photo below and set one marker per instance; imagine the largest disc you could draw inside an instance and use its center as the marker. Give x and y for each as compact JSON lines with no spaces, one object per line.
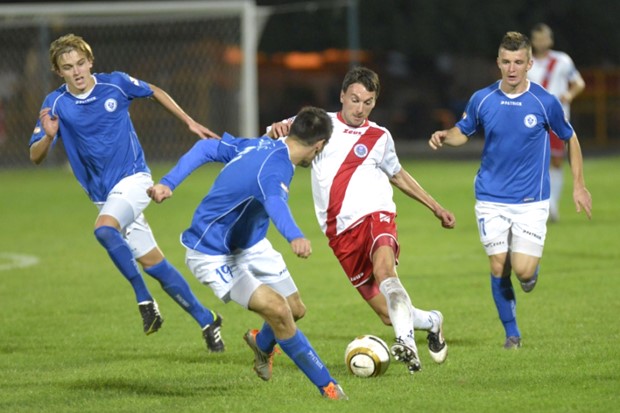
{"x":121,"y":255}
{"x":266,"y":339}
{"x":301,"y":352}
{"x":506,"y":303}
{"x":177,"y":287}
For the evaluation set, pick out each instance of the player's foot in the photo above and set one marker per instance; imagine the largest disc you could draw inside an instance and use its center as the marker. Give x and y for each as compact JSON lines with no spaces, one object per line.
{"x":212,"y":335}
{"x":529,"y":285}
{"x":437,"y":345}
{"x":263,"y":361}
{"x":512,"y":343}
{"x":333,"y":391}
{"x":151,"y":319}
{"x":406,"y":354}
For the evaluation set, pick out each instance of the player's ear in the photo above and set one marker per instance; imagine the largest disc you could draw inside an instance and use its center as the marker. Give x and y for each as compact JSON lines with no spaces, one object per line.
{"x":318,"y":147}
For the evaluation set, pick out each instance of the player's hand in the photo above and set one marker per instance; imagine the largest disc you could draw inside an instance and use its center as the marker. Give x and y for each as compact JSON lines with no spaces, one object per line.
{"x":301,"y":247}
{"x":437,"y":138}
{"x":202,"y":131}
{"x":583,"y":201}
{"x":159,"y":192}
{"x":48,"y":123}
{"x":446,"y":217}
{"x":279,"y":129}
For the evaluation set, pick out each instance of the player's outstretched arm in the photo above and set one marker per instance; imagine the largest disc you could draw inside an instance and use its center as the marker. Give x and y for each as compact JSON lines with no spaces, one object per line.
{"x":166,"y":101}
{"x":450,"y":137}
{"x":581,"y":195}
{"x":410,"y":187}
{"x":40,"y":149}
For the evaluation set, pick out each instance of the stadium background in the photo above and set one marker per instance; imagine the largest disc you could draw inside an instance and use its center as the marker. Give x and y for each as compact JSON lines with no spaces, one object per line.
{"x":430,"y":55}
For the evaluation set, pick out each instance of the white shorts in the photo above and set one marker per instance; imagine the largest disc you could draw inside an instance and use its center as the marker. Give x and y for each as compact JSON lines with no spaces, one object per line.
{"x":236,"y":276}
{"x":125,"y":203}
{"x":516,"y":227}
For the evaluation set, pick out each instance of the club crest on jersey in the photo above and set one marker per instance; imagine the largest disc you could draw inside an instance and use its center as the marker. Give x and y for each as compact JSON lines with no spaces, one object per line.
{"x":529,"y":120}
{"x":360,"y":150}
{"x":110,"y":105}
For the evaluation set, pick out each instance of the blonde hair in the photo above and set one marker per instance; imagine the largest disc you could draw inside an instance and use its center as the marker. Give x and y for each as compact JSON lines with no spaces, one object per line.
{"x":66,"y":44}
{"x":514,"y":41}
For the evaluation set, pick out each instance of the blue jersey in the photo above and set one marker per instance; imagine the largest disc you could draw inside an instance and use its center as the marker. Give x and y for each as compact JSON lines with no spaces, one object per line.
{"x":251,"y":188}
{"x":515,"y":160}
{"x":96,"y":130}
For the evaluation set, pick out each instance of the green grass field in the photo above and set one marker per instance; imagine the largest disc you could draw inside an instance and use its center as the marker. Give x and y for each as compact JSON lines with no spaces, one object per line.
{"x":71,"y":337}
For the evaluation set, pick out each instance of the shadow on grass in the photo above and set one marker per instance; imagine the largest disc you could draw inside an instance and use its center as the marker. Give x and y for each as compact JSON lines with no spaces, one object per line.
{"x":144,"y":388}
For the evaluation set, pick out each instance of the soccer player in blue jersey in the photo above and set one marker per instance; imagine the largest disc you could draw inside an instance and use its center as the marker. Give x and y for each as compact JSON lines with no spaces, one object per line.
{"x":512,"y":184}
{"x":90,"y":114}
{"x":226,"y":245}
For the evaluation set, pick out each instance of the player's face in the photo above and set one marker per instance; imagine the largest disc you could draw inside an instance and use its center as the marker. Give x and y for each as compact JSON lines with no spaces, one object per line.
{"x":514,"y":66}
{"x":541,"y":41}
{"x":74,"y":67}
{"x":357,"y":103}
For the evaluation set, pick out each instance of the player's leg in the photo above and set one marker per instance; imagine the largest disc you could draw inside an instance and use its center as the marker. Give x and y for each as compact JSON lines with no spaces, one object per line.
{"x":274,"y":308}
{"x":494,"y":230}
{"x":109,"y":236}
{"x":422,"y":319}
{"x":141,"y":240}
{"x":120,"y":209}
{"x":505,"y":298}
{"x":556,"y":176}
{"x":527,"y":242}
{"x":144,"y":248}
{"x":267,"y":265}
{"x":231,"y":281}
{"x":399,"y":305}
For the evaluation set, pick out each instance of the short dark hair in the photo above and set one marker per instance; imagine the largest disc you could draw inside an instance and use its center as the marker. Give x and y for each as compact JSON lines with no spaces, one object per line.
{"x":311,"y":125}
{"x":514,"y":41}
{"x":542,"y":27}
{"x":364,"y":76}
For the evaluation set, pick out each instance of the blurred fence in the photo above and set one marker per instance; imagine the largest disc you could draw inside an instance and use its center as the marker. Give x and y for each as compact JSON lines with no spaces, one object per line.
{"x":596,"y":112}
{"x":193,"y":53}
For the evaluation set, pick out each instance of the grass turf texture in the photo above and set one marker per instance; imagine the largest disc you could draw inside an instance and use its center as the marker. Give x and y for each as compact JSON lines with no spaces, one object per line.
{"x":71,"y":337}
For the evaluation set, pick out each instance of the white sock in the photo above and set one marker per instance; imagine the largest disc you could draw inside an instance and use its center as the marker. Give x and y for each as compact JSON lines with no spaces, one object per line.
{"x":399,"y":309}
{"x":556,"y":178}
{"x":423,"y":320}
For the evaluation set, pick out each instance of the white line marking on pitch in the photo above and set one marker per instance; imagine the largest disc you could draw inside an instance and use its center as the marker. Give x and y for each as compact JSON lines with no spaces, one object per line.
{"x":9,"y":261}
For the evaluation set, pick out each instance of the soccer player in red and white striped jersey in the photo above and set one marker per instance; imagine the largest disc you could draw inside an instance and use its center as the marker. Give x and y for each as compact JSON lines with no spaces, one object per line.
{"x":352,"y":182}
{"x":556,"y":72}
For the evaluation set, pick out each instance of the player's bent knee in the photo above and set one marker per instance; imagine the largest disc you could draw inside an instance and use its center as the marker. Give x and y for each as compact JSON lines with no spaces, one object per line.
{"x":107,"y":236}
{"x":298,"y":308}
{"x":298,"y":311}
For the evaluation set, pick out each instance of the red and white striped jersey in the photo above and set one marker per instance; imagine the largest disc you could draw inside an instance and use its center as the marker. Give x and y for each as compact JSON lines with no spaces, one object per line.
{"x":350,"y":177}
{"x":554,"y":72}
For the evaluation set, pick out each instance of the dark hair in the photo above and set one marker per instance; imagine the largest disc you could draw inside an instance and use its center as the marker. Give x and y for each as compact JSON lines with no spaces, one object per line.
{"x":311,"y":125}
{"x":364,"y":76}
{"x":514,"y":41}
{"x":542,"y":27}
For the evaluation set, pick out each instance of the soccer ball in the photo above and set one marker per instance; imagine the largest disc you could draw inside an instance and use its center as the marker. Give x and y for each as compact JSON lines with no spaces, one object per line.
{"x":367,"y":356}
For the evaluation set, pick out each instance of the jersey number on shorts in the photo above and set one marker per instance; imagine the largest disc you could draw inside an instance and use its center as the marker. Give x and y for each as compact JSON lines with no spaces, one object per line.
{"x":481,"y":226}
{"x":225,"y":273}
